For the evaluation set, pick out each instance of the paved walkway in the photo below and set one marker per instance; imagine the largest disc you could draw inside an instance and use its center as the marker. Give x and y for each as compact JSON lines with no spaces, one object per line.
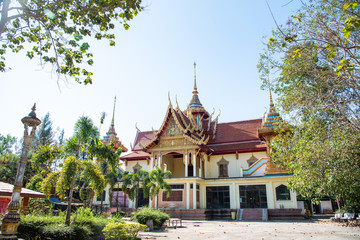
{"x":287,"y":230}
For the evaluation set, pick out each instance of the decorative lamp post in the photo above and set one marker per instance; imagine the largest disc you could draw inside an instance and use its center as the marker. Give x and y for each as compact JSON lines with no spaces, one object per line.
{"x":11,"y":219}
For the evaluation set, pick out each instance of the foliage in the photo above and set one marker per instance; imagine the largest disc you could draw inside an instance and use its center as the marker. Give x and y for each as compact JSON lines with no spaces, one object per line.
{"x":315,"y":62}
{"x":156,"y":182}
{"x":35,"y":182}
{"x":86,"y":218}
{"x":145,"y":214}
{"x":8,"y":168}
{"x":65,"y":179}
{"x":6,"y":144}
{"x":106,"y":152}
{"x":39,"y":205}
{"x":45,"y":156}
{"x":122,"y":231}
{"x":132,"y":184}
{"x":55,"y":32}
{"x":84,"y":132}
{"x":108,"y":157}
{"x":52,"y":227}
{"x":44,"y":134}
{"x":8,"y":160}
{"x":45,"y":227}
{"x":351,"y":208}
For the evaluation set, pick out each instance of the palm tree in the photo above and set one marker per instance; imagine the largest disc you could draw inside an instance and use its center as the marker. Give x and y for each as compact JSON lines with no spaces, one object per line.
{"x":85,"y":131}
{"x":157,"y":182}
{"x":132,"y":183}
{"x":64,"y":180}
{"x":109,"y":162}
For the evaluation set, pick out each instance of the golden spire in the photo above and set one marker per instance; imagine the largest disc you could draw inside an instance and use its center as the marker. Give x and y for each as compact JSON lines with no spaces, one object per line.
{"x":195,"y":87}
{"x":113,"y":117}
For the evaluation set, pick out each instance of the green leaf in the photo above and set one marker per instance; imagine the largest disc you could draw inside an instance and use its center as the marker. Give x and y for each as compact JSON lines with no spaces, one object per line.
{"x":78,"y":37}
{"x":85,"y":46}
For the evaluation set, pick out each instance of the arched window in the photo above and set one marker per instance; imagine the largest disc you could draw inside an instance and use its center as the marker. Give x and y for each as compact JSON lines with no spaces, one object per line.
{"x":282,"y":192}
{"x":223,"y":167}
{"x":137,"y":168}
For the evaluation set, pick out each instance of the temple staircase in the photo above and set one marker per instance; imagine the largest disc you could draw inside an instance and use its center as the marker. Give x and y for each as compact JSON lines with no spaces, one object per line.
{"x":253,"y":214}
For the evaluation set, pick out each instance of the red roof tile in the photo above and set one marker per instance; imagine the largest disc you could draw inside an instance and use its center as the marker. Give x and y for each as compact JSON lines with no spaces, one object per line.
{"x":142,"y":138}
{"x":139,"y":155}
{"x":6,"y":189}
{"x":237,"y":131}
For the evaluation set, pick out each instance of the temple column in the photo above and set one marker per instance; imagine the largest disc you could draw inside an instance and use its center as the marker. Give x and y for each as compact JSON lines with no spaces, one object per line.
{"x":200,"y":167}
{"x":194,"y":164}
{"x":270,"y":195}
{"x":232,"y":196}
{"x":152,"y":162}
{"x":194,"y":195}
{"x":159,"y":162}
{"x":187,"y":195}
{"x":186,"y":165}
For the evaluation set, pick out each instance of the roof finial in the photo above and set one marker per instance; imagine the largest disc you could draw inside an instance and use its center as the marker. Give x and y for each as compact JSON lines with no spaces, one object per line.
{"x":195,"y":87}
{"x":268,"y":82}
{"x":177,"y":104}
{"x":169,"y":99}
{"x":33,"y":109}
{"x":113,"y":117}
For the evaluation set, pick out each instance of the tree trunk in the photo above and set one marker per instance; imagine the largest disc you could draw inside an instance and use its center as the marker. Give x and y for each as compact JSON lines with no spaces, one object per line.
{"x":338,"y":203}
{"x":92,"y":194}
{"x":68,"y":212}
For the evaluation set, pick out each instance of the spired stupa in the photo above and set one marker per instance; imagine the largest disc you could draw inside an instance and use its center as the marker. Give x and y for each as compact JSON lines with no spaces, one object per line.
{"x":111,"y":135}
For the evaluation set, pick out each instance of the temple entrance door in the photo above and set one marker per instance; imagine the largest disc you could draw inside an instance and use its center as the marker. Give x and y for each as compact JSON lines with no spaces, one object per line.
{"x":190,"y":171}
{"x":217,"y":197}
{"x":253,"y":196}
{"x":142,"y":200}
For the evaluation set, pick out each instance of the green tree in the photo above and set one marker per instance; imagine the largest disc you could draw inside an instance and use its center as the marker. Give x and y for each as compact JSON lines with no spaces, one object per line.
{"x":9,"y":160}
{"x":132,"y":183}
{"x":44,"y":133}
{"x":6,"y":144}
{"x":156,"y":182}
{"x":55,"y":32}
{"x":314,"y":65}
{"x":84,"y":133}
{"x":108,"y":158}
{"x":64,"y":180}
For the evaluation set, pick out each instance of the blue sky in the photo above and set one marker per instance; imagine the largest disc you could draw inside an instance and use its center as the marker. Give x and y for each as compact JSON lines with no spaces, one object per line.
{"x":155,"y":57}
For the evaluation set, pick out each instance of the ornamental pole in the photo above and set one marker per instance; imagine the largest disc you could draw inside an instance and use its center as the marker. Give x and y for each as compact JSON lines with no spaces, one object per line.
{"x":11,"y":219}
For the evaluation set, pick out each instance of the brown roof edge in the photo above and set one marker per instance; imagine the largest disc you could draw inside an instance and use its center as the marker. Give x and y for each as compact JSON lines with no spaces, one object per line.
{"x":262,"y":149}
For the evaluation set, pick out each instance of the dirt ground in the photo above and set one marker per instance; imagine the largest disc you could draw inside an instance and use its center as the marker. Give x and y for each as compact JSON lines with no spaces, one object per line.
{"x":199,"y":230}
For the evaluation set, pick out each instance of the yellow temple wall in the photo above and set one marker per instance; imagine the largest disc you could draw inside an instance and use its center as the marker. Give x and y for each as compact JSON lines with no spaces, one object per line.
{"x":212,"y":168}
{"x":131,"y":164}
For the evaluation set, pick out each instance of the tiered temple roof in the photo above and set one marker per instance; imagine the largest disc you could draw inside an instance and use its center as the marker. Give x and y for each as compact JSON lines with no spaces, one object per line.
{"x":196,"y":125}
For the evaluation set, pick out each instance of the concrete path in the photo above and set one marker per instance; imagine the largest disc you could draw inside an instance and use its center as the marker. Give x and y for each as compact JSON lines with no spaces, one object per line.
{"x":287,"y":230}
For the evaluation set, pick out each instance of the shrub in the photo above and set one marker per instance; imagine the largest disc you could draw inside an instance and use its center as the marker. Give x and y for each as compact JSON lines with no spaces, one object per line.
{"x":145,"y":214}
{"x":52,"y":227}
{"x":61,"y":232}
{"x":122,"y":231}
{"x":85,"y":218}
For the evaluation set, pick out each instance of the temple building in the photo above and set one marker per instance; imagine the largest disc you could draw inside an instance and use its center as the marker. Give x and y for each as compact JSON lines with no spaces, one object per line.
{"x":214,"y":165}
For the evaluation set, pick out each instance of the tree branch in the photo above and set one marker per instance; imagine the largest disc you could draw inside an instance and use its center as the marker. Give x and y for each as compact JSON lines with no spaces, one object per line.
{"x":4,"y":15}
